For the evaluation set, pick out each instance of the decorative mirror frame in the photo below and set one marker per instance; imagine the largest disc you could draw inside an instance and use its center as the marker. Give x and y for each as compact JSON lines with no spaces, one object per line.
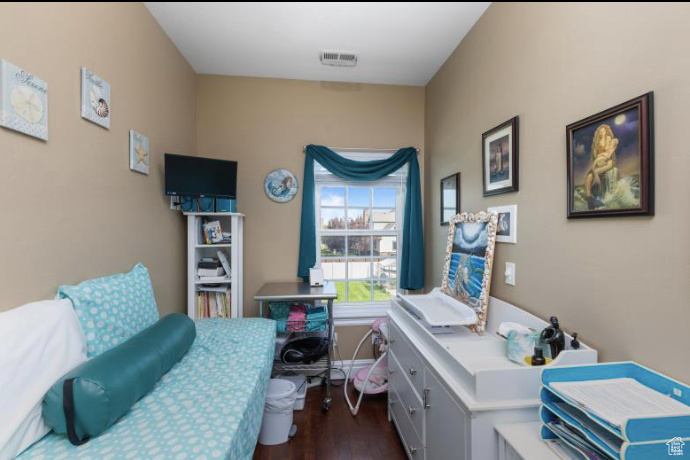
{"x":480,"y":303}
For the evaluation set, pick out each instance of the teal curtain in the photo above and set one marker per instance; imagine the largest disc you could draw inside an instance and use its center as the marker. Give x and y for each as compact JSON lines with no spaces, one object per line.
{"x":411,"y":274}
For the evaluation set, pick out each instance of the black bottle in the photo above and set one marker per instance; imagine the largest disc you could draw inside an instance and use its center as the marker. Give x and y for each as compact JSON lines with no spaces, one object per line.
{"x":538,"y":357}
{"x":554,"y":337}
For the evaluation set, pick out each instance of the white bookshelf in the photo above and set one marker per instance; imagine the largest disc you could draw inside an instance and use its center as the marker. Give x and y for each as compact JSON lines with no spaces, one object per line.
{"x":196,"y":249}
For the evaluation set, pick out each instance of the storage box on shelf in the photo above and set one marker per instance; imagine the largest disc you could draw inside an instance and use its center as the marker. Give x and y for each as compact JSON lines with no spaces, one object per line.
{"x":229,"y":284}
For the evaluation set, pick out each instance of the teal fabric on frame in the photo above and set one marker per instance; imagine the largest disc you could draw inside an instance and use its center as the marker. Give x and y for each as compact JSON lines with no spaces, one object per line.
{"x":411,"y":274}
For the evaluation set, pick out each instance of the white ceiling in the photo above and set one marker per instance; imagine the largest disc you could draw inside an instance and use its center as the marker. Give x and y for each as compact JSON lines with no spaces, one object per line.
{"x":398,"y":43}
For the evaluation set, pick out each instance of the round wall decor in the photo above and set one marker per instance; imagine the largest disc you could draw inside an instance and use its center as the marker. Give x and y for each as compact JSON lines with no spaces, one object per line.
{"x":281,"y":185}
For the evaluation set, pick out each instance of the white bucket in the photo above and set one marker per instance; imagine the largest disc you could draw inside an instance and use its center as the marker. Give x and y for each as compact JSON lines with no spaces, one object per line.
{"x":280,"y":401}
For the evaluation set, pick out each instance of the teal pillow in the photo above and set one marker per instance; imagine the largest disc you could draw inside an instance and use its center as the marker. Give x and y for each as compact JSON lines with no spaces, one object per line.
{"x":114,"y":308}
{"x":103,"y":389}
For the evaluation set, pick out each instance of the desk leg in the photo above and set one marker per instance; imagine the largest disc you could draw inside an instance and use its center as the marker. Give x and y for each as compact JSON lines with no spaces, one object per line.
{"x":261,"y":308}
{"x":327,"y":401}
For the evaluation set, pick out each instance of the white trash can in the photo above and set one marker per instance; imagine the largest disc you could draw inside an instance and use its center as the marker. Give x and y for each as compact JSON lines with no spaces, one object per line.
{"x":277,"y":421}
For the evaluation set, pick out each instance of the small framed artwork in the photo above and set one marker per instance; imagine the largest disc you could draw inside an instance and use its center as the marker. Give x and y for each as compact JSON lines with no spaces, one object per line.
{"x":139,"y":158}
{"x":500,"y":159}
{"x":23,"y":101}
{"x":610,"y":159}
{"x":506,"y":226}
{"x":450,"y":198}
{"x":95,"y":98}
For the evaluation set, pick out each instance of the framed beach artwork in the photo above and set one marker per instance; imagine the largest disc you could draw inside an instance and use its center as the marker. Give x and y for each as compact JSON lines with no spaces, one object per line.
{"x":95,"y":98}
{"x":23,"y":101}
{"x":506,"y":226}
{"x":500,"y":158}
{"x":469,"y":260}
{"x":610,"y":158}
{"x":450,"y":198}
{"x":139,"y":157}
{"x":280,"y":185}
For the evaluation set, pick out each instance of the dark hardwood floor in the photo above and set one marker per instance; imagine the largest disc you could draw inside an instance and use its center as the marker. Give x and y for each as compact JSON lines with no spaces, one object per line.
{"x":337,"y":434}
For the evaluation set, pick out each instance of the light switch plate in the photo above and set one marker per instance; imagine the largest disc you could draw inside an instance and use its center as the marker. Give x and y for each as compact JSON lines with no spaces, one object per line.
{"x":510,"y":273}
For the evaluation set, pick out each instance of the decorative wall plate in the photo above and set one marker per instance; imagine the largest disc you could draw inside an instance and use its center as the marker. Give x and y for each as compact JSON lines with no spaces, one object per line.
{"x":281,"y":185}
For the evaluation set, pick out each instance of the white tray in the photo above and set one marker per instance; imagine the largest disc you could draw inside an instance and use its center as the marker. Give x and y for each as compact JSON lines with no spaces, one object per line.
{"x":438,"y":309}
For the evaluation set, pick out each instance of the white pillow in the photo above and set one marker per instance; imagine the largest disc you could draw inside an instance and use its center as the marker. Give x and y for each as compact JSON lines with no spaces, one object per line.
{"x":39,"y":343}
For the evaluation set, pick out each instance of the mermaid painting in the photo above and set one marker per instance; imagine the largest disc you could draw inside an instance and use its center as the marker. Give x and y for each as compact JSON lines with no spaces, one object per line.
{"x":609,"y":162}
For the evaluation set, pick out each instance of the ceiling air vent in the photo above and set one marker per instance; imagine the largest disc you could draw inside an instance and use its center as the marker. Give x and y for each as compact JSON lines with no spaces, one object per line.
{"x":338,"y":59}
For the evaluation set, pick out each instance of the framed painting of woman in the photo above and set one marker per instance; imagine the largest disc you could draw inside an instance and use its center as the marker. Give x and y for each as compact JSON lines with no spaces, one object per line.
{"x":611,"y":160}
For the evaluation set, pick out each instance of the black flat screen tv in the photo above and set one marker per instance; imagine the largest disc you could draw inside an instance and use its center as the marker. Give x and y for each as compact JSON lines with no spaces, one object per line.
{"x":200,"y":177}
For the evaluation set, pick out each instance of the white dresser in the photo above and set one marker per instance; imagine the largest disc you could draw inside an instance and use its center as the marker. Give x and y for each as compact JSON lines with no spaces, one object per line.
{"x":447,"y":392}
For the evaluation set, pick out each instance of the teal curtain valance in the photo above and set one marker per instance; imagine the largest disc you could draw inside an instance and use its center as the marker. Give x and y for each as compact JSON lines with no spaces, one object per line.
{"x":411,"y":275}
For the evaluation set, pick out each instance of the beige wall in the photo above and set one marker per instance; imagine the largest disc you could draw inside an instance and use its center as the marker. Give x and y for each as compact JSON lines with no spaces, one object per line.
{"x":622,"y":283}
{"x":264,"y":123}
{"x":72,"y":209}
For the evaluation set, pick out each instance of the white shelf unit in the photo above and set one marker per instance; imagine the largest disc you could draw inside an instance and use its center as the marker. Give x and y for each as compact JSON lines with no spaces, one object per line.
{"x":196,"y":249}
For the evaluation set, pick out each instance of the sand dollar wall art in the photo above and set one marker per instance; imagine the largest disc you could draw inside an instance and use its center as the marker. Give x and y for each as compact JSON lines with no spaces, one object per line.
{"x":23,"y":101}
{"x":95,"y":98}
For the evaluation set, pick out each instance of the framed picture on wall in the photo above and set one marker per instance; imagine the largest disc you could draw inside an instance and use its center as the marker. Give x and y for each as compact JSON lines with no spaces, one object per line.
{"x":500,"y":158}
{"x":610,"y":158}
{"x":450,"y":198}
{"x":23,"y":101}
{"x":95,"y":98}
{"x":506,"y":226}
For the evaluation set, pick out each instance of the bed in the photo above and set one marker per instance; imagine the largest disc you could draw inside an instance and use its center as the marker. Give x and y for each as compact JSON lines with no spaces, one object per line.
{"x":210,"y":405}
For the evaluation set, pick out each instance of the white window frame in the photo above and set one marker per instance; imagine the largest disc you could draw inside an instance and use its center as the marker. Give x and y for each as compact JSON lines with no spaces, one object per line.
{"x":353,"y":313}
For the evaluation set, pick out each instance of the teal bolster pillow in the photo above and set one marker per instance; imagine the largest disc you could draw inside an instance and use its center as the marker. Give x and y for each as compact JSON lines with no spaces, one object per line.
{"x":93,"y":396}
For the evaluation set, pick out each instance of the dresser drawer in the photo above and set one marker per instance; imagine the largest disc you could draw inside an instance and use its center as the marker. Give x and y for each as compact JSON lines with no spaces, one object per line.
{"x":413,"y":446}
{"x":410,"y":402}
{"x":411,"y":364}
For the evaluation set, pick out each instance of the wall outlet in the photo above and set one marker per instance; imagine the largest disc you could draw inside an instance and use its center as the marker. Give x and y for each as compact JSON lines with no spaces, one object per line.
{"x":678,"y":392}
{"x":510,"y":273}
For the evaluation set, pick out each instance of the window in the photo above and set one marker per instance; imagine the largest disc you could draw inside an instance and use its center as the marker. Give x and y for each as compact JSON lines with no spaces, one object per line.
{"x":358,"y":234}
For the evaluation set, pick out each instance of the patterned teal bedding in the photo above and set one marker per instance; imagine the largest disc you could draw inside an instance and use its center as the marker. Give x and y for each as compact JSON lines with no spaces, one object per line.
{"x":208,"y":406}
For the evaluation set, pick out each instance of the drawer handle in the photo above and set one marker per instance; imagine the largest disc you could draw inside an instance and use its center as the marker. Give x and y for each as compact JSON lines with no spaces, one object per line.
{"x":391,"y":372}
{"x":413,"y":371}
{"x":413,"y":451}
{"x":392,"y":402}
{"x":426,"y":398}
{"x":411,"y":410}
{"x":391,"y":340}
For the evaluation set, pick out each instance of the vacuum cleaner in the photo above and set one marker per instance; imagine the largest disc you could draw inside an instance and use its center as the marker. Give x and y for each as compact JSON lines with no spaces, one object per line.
{"x":372,"y":379}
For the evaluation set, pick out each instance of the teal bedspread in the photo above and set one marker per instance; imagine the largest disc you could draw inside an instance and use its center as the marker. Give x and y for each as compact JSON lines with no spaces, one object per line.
{"x":208,"y":406}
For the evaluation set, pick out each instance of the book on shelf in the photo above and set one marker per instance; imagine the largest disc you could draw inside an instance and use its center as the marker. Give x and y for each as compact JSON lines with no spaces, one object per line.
{"x":224,"y":261}
{"x":212,"y":232}
{"x":213,"y":304}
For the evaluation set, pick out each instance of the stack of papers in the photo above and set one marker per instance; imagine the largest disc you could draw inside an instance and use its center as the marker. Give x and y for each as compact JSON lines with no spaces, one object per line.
{"x":616,"y":400}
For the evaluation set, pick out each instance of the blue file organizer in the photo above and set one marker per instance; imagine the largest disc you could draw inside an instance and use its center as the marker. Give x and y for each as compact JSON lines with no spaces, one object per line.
{"x":640,"y":437}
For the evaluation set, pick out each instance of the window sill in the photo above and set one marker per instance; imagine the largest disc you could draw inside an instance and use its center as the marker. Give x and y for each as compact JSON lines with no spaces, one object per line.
{"x":359,"y":315}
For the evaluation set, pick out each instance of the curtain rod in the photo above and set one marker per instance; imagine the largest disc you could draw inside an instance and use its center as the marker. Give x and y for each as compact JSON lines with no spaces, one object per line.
{"x":359,"y":149}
